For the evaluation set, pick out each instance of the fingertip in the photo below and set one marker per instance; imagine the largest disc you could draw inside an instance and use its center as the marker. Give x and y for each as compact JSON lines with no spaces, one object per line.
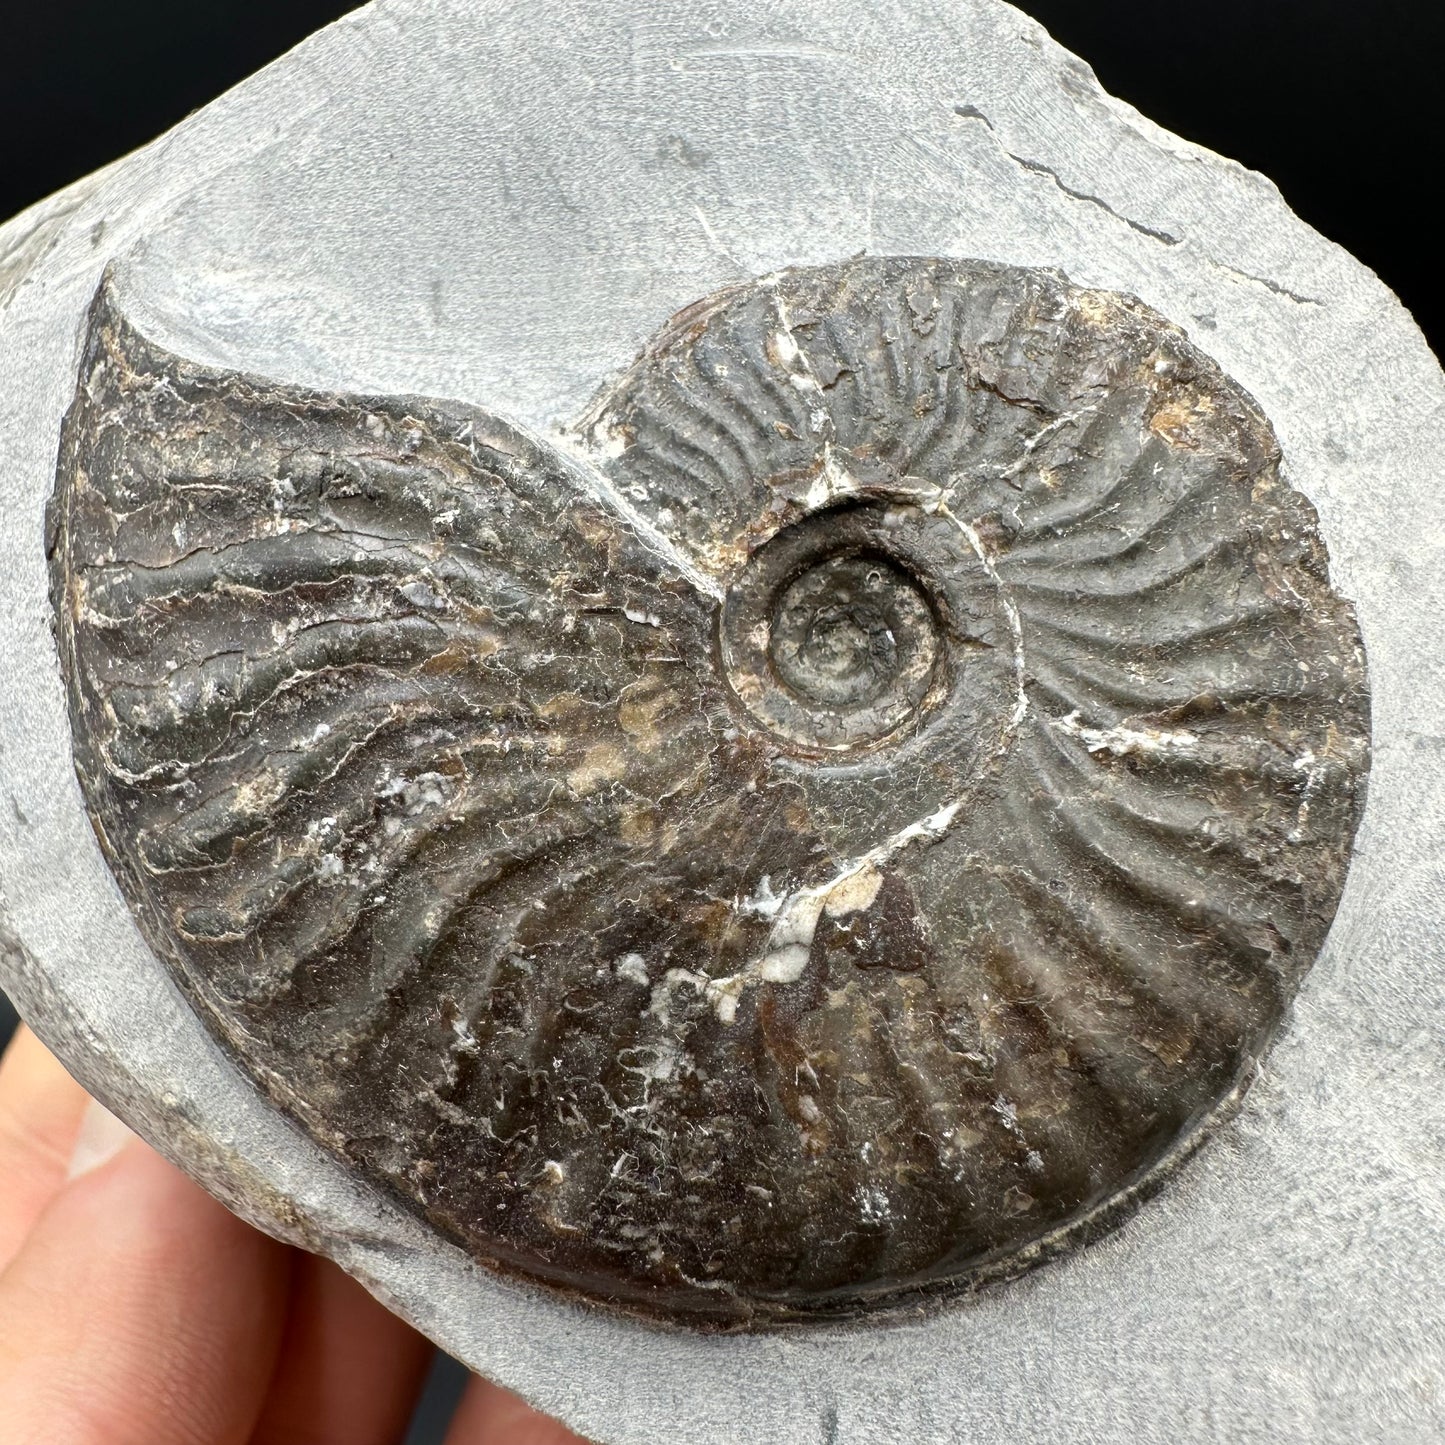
{"x":490,"y":1415}
{"x":40,"y":1111}
{"x":100,"y":1138}
{"x":349,"y":1371}
{"x":138,"y":1311}
{"x":28,"y":1068}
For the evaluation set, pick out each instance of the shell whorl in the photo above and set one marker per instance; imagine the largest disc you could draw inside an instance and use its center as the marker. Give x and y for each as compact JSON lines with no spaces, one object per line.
{"x":829,"y":840}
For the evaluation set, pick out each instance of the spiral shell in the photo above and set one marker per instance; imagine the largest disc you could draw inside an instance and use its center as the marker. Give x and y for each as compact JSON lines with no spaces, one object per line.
{"x":823,"y":834}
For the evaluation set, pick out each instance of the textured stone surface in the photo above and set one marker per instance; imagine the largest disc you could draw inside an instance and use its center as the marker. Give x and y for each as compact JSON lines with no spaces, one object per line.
{"x":843,"y":854}
{"x":424,"y":201}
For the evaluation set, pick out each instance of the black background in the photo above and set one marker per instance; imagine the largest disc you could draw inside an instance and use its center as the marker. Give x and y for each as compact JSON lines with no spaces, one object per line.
{"x":1340,"y":102}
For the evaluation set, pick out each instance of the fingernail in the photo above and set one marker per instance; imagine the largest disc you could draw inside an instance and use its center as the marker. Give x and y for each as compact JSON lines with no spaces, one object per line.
{"x":102,"y":1136}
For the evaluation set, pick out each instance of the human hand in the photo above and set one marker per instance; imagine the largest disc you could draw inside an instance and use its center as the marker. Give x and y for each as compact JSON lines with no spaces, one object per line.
{"x":135,"y":1310}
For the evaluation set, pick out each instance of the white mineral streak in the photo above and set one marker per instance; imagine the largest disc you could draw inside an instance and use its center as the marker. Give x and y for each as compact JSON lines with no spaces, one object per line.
{"x":426,"y":790}
{"x":790,"y":354}
{"x":1033,"y":443}
{"x":851,"y":889}
{"x":1308,"y":764}
{"x":633,"y":968}
{"x":764,"y":903}
{"x":655,"y":1062}
{"x":795,"y":361}
{"x":833,"y":481}
{"x":1121,"y":741}
{"x":1016,"y":629}
{"x":590,"y":479}
{"x":659,"y":1003}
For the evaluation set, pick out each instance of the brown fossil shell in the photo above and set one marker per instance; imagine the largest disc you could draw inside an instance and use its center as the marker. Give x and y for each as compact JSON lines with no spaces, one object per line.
{"x":821,"y":836}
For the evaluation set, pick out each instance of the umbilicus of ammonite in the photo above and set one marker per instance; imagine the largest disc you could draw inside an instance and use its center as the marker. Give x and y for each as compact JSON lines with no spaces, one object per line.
{"x":824,"y":833}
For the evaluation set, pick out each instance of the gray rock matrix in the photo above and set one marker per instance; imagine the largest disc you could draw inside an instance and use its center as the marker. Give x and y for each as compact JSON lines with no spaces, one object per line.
{"x":430,"y":200}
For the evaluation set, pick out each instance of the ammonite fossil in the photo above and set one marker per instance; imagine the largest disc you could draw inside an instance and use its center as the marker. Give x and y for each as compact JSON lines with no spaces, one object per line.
{"x":821,"y":835}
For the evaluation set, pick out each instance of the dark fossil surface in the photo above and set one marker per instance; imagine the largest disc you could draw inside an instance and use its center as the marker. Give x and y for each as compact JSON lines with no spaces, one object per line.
{"x":824,"y":834}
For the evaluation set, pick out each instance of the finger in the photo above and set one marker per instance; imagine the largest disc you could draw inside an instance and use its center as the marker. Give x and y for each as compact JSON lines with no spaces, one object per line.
{"x":40,"y":1109}
{"x":349,"y":1370}
{"x":490,"y":1415}
{"x":138,"y":1311}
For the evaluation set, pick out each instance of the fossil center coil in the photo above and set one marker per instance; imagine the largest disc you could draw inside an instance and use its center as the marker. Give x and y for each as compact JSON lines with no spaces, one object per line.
{"x":828,"y":639}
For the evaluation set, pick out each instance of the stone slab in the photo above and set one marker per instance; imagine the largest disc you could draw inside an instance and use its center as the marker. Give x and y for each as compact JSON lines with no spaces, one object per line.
{"x":500,"y":204}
